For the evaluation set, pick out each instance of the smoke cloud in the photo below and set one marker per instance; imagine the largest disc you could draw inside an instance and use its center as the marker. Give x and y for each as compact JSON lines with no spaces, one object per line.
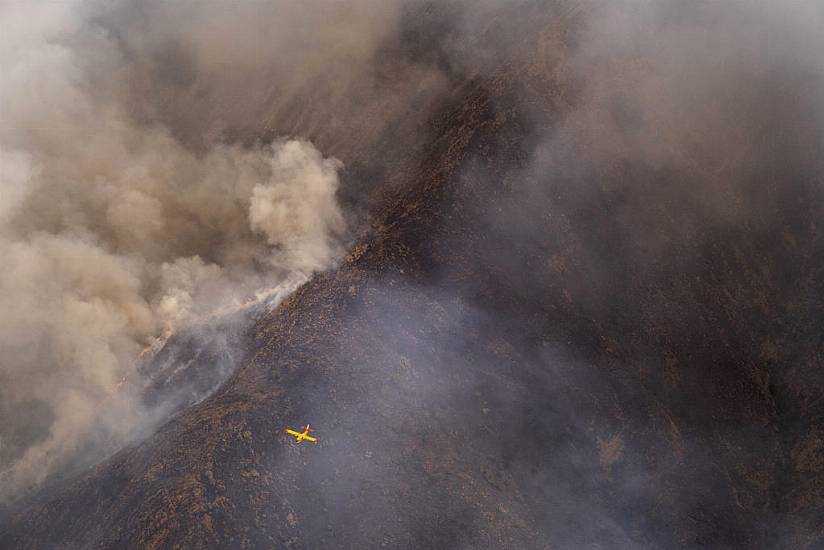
{"x":656,"y":214}
{"x":637,"y":200}
{"x":141,"y":192}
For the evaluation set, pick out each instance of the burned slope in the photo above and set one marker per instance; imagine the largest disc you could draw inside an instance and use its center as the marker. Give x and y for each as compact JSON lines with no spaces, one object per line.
{"x":318,"y":358}
{"x":544,"y":341}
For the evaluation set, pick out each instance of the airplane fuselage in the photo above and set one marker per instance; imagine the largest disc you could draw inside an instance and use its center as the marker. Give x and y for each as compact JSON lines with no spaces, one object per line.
{"x":300,"y":436}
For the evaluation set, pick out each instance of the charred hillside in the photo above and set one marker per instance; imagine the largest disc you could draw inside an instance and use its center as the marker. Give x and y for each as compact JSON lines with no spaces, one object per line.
{"x":585,"y":312}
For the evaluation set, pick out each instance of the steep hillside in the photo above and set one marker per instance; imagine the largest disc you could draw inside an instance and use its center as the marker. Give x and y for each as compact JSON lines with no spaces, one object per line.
{"x":543,"y":339}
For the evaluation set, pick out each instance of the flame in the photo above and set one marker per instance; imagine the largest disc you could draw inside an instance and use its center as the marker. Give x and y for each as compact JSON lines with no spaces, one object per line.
{"x":136,"y":364}
{"x":271,"y":296}
{"x":117,"y":386}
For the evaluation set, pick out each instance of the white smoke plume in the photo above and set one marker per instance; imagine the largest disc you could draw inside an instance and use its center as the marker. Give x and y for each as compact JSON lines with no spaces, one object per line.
{"x":126,"y":209}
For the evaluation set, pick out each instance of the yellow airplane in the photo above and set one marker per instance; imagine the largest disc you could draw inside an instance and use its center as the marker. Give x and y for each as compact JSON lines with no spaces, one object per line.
{"x":301,"y":436}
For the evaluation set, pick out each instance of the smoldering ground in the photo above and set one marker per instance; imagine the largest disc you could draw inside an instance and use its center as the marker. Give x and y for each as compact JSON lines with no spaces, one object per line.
{"x":607,"y":328}
{"x":438,"y":424}
{"x":652,"y":207}
{"x":626,"y":306}
{"x":137,"y":197}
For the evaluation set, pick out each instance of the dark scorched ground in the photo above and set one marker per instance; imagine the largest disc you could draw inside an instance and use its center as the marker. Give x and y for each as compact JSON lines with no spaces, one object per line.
{"x":480,"y":381}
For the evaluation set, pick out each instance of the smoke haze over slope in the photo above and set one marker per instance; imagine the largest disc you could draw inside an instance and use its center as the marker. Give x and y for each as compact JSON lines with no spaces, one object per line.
{"x":125,"y":214}
{"x":592,"y":306}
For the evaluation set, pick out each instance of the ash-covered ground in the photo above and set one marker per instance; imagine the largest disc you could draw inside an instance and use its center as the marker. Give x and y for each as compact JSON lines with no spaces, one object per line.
{"x":579,"y":307}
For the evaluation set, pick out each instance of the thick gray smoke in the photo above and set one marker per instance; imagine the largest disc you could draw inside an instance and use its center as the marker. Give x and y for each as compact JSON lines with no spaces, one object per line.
{"x":609,"y":243}
{"x":137,"y":198}
{"x":628,"y":211}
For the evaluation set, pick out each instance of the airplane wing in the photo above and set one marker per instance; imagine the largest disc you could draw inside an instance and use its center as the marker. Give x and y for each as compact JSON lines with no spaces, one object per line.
{"x":301,"y":436}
